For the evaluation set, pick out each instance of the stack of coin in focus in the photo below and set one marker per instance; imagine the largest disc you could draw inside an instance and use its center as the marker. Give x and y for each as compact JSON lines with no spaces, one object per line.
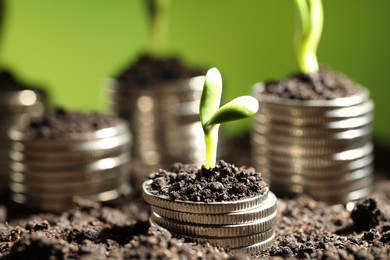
{"x":163,"y":119}
{"x":319,"y":147}
{"x":243,"y":226}
{"x":16,"y":106}
{"x":46,"y":173}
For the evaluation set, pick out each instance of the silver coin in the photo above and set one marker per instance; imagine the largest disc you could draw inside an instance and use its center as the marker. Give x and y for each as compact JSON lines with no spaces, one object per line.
{"x":328,"y":130}
{"x":17,"y":134}
{"x":45,"y":166}
{"x":67,"y":156}
{"x":66,"y":177}
{"x":267,"y":208}
{"x":352,"y":111}
{"x":60,"y":157}
{"x":163,"y":119}
{"x":65,"y":189}
{"x":346,"y":197}
{"x":217,"y":231}
{"x":19,"y":97}
{"x":49,"y":145}
{"x":230,"y":242}
{"x":335,"y":160}
{"x":165,"y":202}
{"x":65,"y":203}
{"x":21,"y":112}
{"x":313,"y":116}
{"x":322,"y":184}
{"x":339,"y":139}
{"x":299,"y":166}
{"x":342,"y":189}
{"x":334,"y":194}
{"x":317,"y":175}
{"x":254,"y":249}
{"x":333,"y":119}
{"x":305,"y":150}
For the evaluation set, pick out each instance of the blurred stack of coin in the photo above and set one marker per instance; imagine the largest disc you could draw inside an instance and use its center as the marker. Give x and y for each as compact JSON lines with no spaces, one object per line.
{"x":48,"y":170}
{"x":163,"y":119}
{"x":244,"y":226}
{"x":319,"y":147}
{"x":17,"y":104}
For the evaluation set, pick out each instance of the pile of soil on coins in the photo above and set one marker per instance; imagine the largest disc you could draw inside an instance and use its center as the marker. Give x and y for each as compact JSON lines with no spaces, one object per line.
{"x":9,"y":82}
{"x":324,"y":85}
{"x":61,"y":124}
{"x":224,"y":182}
{"x":149,"y":70}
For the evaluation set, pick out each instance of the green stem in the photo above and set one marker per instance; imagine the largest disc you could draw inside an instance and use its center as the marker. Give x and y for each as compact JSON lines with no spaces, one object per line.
{"x":159,"y":17}
{"x":211,"y":140}
{"x":2,"y":21}
{"x":309,"y":34}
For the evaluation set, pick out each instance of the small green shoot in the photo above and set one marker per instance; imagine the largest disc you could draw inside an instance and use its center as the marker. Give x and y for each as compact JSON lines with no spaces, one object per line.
{"x":211,"y":115}
{"x":158,"y":11}
{"x":308,"y":34}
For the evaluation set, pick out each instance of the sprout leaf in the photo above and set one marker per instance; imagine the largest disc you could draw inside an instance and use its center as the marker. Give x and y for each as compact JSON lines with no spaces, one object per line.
{"x":211,"y":115}
{"x":211,"y":96}
{"x":238,"y":108}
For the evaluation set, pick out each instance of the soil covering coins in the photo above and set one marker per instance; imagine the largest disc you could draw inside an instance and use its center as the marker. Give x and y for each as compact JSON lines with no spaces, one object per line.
{"x":324,"y":85}
{"x":224,"y":182}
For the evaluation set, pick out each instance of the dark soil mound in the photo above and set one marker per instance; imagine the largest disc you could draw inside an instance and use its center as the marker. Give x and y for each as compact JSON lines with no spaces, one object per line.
{"x":9,"y":82}
{"x":90,"y":231}
{"x":366,"y":214}
{"x":323,"y":85}
{"x":149,"y":70}
{"x":307,"y":229}
{"x":224,"y":182}
{"x":62,"y":123}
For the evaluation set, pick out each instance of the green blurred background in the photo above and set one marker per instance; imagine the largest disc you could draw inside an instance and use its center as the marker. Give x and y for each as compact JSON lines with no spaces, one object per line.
{"x":71,"y":47}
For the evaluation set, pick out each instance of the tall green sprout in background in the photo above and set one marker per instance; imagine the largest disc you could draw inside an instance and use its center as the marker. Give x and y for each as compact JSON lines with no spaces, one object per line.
{"x":158,"y":11}
{"x":2,"y":19}
{"x":211,"y":115}
{"x":308,"y":35}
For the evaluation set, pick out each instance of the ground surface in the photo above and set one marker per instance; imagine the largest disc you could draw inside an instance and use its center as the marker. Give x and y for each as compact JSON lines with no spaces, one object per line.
{"x":304,"y":229}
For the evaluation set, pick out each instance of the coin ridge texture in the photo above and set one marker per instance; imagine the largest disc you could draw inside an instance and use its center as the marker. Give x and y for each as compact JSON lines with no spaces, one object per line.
{"x":267,"y":208}
{"x":237,"y":230}
{"x":200,"y":207}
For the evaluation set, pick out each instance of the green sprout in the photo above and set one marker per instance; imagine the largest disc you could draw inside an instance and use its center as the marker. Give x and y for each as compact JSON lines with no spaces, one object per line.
{"x":308,"y":34}
{"x":158,"y":11}
{"x":211,"y":115}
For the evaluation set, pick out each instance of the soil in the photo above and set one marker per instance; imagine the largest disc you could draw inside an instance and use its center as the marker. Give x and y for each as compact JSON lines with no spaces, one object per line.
{"x":90,"y":231}
{"x":305,"y":229}
{"x":61,"y":123}
{"x":9,"y":82}
{"x":149,"y":70}
{"x":224,"y":182}
{"x":324,"y":85}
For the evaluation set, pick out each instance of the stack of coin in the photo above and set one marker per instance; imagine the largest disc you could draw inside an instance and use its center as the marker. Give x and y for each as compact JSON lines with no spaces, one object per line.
{"x":319,"y":147}
{"x":243,"y":226}
{"x":46,"y":173}
{"x":163,"y":119}
{"x":16,"y":106}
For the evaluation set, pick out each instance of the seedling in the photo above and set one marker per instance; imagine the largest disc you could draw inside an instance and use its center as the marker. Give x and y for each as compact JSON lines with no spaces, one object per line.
{"x":308,"y":34}
{"x":211,"y":115}
{"x":158,"y":11}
